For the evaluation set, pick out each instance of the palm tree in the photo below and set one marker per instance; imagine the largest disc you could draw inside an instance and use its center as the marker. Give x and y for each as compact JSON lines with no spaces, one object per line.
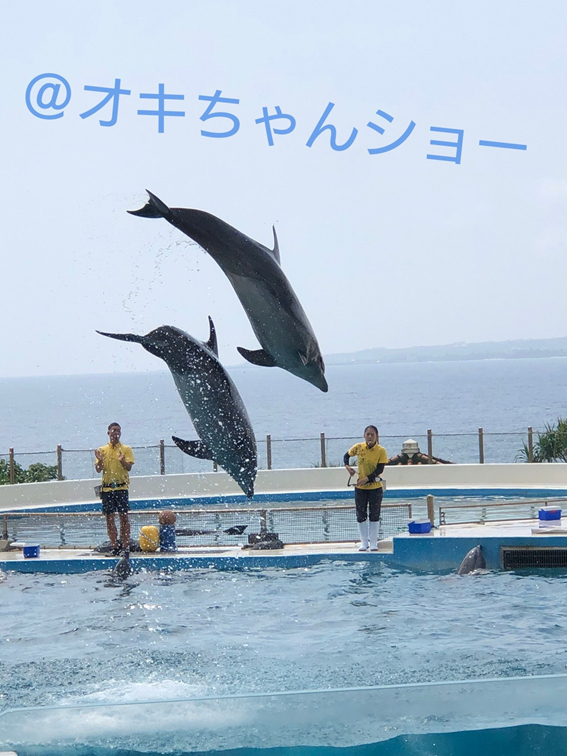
{"x":551,"y":445}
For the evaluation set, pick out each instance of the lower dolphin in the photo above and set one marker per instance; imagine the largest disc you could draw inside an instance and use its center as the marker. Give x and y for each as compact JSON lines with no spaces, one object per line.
{"x":211,"y":399}
{"x":474,"y":560}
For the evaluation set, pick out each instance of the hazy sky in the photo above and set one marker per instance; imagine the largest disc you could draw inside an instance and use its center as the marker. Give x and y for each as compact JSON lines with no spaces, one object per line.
{"x":387,"y":249}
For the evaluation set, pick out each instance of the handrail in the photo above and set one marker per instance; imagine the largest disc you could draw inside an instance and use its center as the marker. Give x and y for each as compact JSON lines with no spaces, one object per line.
{"x":292,"y":521}
{"x":197,"y":511}
{"x":321,"y":454}
{"x":484,"y":506}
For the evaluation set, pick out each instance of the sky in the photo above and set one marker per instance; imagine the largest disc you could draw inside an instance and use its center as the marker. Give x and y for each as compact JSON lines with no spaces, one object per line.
{"x":391,"y":248}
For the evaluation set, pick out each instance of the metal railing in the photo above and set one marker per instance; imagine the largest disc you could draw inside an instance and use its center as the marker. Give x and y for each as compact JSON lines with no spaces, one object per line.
{"x":480,"y":513}
{"x":209,"y":527}
{"x":284,"y":453}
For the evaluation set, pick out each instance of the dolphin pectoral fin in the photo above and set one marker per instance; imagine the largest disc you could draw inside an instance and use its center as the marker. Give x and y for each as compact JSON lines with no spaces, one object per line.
{"x":193,"y":448}
{"x":212,"y":342}
{"x":257,"y":357}
{"x":154,"y":208}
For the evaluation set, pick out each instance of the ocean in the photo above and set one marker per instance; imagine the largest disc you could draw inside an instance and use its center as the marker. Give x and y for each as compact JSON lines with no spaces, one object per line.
{"x":453,"y":399}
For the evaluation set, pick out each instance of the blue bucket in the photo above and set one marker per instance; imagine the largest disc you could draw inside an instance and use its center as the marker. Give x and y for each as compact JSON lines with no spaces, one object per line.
{"x":167,"y":538}
{"x":31,"y":550}
{"x":550,"y":513}
{"x":419,"y":526}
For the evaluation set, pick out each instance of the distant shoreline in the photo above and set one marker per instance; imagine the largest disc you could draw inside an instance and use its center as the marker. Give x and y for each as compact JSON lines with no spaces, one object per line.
{"x":488,"y":350}
{"x":540,"y":349}
{"x":332,"y":359}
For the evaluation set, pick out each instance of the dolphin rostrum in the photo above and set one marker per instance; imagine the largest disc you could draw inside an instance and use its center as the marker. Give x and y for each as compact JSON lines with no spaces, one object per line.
{"x":273,"y":309}
{"x":123,"y":569}
{"x":474,"y":560}
{"x":210,"y":397}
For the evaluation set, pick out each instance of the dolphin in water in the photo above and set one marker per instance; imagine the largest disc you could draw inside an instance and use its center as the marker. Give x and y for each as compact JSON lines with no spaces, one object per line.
{"x":474,"y":560}
{"x":123,"y":569}
{"x":210,"y":397}
{"x":273,"y":309}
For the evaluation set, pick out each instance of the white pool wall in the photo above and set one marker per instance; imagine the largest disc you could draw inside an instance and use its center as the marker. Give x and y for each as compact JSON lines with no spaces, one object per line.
{"x":536,"y":477}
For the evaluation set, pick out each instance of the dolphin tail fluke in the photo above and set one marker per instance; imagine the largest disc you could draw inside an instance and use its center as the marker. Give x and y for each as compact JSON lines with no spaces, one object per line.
{"x":193,"y":448}
{"x":257,"y":357}
{"x":154,"y":208}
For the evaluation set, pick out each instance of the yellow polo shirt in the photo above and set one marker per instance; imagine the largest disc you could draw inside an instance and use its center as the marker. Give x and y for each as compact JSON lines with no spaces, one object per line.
{"x":114,"y":476}
{"x":368,"y":461}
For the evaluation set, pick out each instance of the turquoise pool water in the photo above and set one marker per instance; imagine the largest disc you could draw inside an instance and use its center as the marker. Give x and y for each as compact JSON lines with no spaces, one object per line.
{"x":536,"y":740}
{"x":87,"y":639}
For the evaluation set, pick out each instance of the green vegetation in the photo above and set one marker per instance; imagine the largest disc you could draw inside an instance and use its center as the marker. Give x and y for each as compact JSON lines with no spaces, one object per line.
{"x":551,"y":445}
{"x":36,"y":473}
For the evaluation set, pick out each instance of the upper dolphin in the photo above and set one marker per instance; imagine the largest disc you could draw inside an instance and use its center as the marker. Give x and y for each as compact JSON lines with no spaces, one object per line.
{"x":275,"y":313}
{"x":210,"y":397}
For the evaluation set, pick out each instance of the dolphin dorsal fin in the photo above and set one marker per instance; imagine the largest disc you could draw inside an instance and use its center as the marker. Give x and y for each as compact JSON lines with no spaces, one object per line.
{"x":212,"y":342}
{"x":276,"y":249}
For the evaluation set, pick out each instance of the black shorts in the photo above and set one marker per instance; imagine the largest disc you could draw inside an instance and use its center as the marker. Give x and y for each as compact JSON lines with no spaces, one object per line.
{"x":368,"y":499}
{"x":115,"y":501}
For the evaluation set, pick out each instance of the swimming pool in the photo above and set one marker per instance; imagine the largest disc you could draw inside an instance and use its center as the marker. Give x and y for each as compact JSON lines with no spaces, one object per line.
{"x":79,"y":639}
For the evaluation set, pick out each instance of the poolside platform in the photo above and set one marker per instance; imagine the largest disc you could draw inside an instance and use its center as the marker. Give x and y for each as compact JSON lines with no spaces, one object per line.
{"x":505,"y":545}
{"x":310,"y":509}
{"x":69,"y":561}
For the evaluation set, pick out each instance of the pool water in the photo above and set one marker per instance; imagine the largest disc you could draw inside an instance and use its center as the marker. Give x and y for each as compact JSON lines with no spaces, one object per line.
{"x":75,"y":638}
{"x":535,"y":740}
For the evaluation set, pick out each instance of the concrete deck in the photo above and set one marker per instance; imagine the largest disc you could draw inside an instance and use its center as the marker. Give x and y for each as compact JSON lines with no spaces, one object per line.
{"x":441,"y":550}
{"x":65,"y":560}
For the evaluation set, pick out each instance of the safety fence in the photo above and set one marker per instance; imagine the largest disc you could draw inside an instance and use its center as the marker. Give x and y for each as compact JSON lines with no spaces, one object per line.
{"x":283,"y":453}
{"x":481,"y":513}
{"x":212,"y":527}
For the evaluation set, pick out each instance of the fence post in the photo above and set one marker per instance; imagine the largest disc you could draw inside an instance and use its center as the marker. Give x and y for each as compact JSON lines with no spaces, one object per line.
{"x":263,"y":521}
{"x":269,"y":451}
{"x":59,"y":462}
{"x":161,"y":456}
{"x":215,"y":467}
{"x":431,"y":510}
{"x":323,"y":451}
{"x":429,"y":446}
{"x":481,"y":446}
{"x":12,"y":476}
{"x":530,"y":444}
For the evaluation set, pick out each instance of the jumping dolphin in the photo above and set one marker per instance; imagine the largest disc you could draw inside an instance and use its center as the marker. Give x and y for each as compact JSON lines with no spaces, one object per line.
{"x":210,"y":397}
{"x":273,"y":309}
{"x":474,"y":560}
